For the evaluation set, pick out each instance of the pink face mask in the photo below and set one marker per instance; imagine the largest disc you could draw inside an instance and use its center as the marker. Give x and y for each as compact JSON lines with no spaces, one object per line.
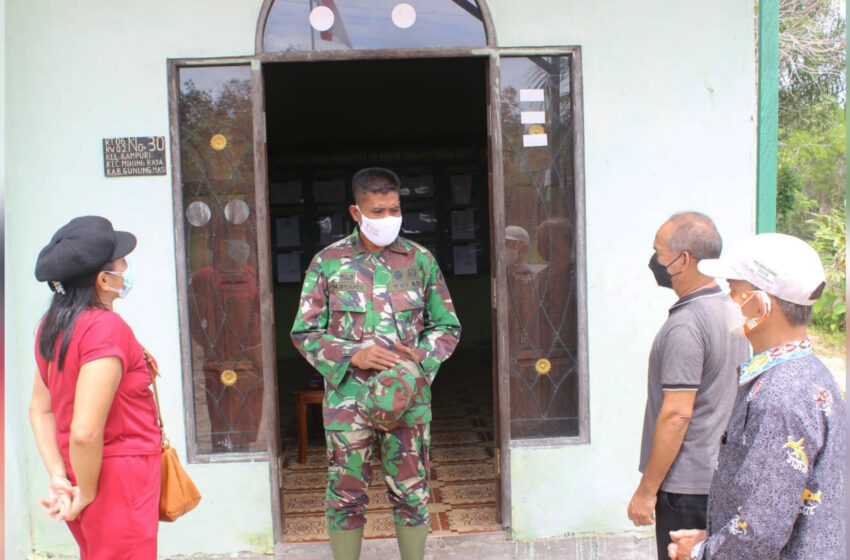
{"x":743,"y":299}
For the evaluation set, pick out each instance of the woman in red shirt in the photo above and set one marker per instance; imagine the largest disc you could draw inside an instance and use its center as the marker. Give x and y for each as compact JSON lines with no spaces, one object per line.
{"x":92,"y":413}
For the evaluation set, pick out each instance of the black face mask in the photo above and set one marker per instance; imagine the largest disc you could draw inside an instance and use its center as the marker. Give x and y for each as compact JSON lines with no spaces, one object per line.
{"x":662,"y":277}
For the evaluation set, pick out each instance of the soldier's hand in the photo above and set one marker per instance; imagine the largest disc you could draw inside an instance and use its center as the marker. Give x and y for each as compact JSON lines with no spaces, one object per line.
{"x":375,"y":357}
{"x":408,"y":350}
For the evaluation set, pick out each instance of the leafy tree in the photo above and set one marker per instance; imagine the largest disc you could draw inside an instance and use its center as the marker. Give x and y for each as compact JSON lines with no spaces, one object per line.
{"x":792,"y":206}
{"x":812,"y":141}
{"x":811,"y":149}
{"x":811,"y":57}
{"x":830,"y":311}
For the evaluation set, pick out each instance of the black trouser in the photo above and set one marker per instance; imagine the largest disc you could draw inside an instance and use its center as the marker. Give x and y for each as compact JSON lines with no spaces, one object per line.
{"x":677,"y":511}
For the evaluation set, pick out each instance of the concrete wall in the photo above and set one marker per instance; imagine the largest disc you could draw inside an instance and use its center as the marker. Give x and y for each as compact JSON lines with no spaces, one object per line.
{"x":669,"y":102}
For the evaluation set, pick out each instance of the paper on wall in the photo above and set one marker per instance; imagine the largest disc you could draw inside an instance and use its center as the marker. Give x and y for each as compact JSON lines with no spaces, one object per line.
{"x":531,"y":95}
{"x":465,"y":261}
{"x":533,"y":140}
{"x":532,"y":117}
{"x":288,"y":267}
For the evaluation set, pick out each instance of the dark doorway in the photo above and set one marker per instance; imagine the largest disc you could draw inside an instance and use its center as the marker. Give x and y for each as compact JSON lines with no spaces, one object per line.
{"x":427,"y":120}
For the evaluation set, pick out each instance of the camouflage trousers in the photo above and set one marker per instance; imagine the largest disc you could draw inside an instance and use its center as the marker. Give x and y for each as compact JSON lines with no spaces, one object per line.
{"x":405,"y":463}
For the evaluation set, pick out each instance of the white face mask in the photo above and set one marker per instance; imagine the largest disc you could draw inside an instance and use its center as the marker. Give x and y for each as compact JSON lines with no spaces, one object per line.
{"x":381,"y":232}
{"x":738,"y":323}
{"x":128,"y":277}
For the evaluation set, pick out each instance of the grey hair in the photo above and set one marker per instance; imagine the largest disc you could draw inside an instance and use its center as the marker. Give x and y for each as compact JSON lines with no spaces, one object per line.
{"x":695,"y":233}
{"x":374,"y":180}
{"x":796,"y":314}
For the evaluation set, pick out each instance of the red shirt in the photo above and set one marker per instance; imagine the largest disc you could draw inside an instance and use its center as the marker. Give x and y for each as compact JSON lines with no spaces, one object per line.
{"x":131,"y":427}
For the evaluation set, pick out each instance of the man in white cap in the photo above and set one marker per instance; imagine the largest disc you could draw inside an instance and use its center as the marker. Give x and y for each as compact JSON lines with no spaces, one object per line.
{"x":778,"y":491}
{"x":524,"y":330}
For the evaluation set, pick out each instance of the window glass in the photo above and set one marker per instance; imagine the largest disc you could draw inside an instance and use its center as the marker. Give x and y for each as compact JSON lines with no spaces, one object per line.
{"x":217,"y":164}
{"x":540,"y":240}
{"x":323,"y":25}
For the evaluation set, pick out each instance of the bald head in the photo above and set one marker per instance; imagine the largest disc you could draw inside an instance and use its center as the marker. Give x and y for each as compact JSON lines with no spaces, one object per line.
{"x":695,"y":233}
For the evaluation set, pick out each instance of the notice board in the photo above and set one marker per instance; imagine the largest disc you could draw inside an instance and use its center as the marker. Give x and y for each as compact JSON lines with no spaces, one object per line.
{"x":134,"y":156}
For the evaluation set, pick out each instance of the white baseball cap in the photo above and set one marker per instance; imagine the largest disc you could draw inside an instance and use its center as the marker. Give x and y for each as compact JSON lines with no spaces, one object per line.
{"x":517,"y":233}
{"x":782,"y":265}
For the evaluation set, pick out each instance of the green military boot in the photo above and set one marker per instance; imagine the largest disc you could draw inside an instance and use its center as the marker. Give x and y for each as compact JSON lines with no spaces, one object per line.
{"x":411,"y":541}
{"x":346,"y":544}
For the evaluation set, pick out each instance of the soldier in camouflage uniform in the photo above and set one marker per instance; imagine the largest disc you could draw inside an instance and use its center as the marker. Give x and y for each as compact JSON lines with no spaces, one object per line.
{"x":371,"y":303}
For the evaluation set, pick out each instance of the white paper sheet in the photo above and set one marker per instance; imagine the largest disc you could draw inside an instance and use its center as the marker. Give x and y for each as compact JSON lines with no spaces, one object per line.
{"x":532,"y":140}
{"x":532,"y":117}
{"x":531,"y":95}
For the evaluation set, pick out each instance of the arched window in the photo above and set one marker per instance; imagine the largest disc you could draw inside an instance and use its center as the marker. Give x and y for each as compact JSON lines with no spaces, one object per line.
{"x":325,"y":25}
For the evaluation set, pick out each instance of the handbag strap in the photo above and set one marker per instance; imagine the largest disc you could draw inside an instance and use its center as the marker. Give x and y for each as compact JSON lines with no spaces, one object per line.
{"x":152,"y":367}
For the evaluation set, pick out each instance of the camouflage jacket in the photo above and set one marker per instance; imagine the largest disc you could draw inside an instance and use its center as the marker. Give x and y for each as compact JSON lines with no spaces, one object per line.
{"x":353,"y":298}
{"x":778,"y":491}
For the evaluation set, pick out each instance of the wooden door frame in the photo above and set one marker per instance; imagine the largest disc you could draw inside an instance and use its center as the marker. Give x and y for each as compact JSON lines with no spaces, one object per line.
{"x":500,"y":297}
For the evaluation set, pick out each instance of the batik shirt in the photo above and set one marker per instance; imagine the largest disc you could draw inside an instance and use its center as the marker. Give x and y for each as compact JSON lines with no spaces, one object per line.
{"x":353,"y":298}
{"x":778,"y":491}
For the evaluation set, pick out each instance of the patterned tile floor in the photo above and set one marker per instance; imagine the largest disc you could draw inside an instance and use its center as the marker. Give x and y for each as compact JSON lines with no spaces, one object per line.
{"x":463,"y":477}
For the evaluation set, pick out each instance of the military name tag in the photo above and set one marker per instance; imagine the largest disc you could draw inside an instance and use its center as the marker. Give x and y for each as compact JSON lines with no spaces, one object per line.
{"x":346,"y":287}
{"x":404,"y":279}
{"x":404,"y":286}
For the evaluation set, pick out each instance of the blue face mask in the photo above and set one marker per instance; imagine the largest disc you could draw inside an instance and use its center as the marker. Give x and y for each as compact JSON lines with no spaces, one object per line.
{"x":128,"y":277}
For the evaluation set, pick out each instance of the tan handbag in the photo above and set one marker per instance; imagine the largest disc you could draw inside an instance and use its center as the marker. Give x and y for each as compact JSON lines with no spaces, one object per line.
{"x":179,"y":494}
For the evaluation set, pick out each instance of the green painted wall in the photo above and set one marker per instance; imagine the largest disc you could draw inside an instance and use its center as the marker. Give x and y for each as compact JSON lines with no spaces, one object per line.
{"x":768,"y":113}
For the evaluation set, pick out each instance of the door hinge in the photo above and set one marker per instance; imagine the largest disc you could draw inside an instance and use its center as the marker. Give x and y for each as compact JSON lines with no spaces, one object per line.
{"x":493,"y":291}
{"x":498,"y":463}
{"x":280,"y":471}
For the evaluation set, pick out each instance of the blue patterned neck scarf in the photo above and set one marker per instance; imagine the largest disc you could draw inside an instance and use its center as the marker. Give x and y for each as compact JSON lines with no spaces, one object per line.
{"x":760,"y":363}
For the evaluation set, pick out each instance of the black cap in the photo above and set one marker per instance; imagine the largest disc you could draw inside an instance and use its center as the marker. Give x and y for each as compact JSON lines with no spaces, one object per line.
{"x":80,"y":248}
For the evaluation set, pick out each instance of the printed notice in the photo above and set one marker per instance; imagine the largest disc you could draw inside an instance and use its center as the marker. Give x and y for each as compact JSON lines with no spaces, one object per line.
{"x":288,"y":267}
{"x":531,"y":95}
{"x":532,"y":117}
{"x":134,"y":156}
{"x":288,"y":231}
{"x":465,"y":260}
{"x":463,"y":224}
{"x":533,"y":140}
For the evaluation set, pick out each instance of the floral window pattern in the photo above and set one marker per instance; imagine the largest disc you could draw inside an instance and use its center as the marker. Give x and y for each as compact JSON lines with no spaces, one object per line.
{"x":217,"y":165}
